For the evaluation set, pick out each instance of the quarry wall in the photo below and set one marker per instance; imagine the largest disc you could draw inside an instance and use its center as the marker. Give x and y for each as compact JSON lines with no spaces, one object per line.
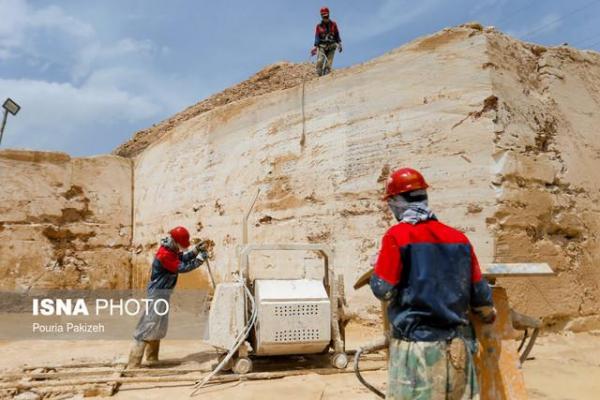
{"x":548,"y":154}
{"x":65,"y":223}
{"x":504,"y":131}
{"x":404,"y":108}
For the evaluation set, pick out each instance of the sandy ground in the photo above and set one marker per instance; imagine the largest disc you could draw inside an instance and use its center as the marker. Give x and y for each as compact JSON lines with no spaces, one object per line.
{"x":563,"y":366}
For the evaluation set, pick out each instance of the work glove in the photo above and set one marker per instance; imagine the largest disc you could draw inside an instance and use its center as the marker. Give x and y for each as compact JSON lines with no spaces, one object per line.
{"x":313,"y":52}
{"x":202,"y":255}
{"x":340,"y":47}
{"x":200,"y":248}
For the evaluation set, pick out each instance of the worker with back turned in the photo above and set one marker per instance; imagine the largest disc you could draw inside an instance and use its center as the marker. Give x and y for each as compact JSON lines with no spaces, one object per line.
{"x":429,"y":274}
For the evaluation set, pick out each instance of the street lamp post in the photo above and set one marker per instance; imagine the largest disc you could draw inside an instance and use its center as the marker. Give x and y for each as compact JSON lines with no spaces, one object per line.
{"x":9,"y":107}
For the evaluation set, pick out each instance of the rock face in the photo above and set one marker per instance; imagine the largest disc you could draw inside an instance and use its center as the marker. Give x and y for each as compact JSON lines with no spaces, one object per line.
{"x":502,"y":130}
{"x":547,"y":157}
{"x":321,"y":172}
{"x":65,"y":223}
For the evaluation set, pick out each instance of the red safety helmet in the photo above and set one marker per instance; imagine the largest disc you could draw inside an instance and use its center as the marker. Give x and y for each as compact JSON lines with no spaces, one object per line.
{"x":324,"y":11}
{"x":404,"y":180}
{"x":181,"y":236}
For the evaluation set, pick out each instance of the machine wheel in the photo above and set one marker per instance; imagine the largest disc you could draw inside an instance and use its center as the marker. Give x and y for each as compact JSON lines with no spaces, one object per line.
{"x":339,"y":360}
{"x":242,"y":366}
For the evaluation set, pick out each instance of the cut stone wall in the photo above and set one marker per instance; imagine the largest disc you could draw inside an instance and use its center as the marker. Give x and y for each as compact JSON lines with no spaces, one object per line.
{"x":405,"y":108}
{"x":65,"y":223}
{"x":503,"y":131}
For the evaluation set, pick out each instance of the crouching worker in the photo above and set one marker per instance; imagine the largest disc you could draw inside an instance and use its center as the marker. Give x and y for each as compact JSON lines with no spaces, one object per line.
{"x":169,"y":261}
{"x":429,"y":274}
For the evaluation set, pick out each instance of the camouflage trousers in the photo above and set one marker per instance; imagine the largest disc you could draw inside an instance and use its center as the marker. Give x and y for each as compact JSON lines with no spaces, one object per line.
{"x":325,"y":58}
{"x":432,"y":370}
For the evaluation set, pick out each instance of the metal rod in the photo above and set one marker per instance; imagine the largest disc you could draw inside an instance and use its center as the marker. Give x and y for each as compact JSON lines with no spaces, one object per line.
{"x":190,"y":378}
{"x":529,"y":346}
{"x":525,"y":336}
{"x":212,"y":279}
{"x":3,"y":125}
{"x":245,"y":223}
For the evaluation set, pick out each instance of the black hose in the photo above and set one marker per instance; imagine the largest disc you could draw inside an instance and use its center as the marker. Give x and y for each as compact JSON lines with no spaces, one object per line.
{"x":360,"y":377}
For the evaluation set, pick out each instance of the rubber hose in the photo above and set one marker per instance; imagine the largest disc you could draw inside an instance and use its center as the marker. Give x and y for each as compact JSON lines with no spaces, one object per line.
{"x":360,"y":377}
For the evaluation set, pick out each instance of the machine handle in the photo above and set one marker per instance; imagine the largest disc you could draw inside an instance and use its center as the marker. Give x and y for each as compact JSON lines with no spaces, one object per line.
{"x":322,"y":249}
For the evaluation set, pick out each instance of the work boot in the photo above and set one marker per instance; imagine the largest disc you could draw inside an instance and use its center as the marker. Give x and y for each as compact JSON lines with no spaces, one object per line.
{"x":152,"y":351}
{"x":136,"y":354}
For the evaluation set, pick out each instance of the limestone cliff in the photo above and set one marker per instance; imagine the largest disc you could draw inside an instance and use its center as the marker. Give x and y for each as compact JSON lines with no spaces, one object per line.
{"x":503,"y":130}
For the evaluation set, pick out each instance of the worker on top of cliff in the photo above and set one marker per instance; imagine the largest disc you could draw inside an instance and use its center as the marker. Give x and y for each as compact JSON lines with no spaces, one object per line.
{"x":169,"y":261}
{"x":429,"y":274}
{"x":327,"y":40}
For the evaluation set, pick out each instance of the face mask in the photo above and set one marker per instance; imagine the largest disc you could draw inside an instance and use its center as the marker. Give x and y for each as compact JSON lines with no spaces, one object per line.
{"x":398,"y":205}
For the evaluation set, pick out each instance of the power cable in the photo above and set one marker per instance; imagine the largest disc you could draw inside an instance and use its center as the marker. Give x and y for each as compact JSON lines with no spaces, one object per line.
{"x":362,"y":380}
{"x":506,"y":18}
{"x":536,"y":31}
{"x":591,"y":46}
{"x":237,"y":343}
{"x":582,"y":43}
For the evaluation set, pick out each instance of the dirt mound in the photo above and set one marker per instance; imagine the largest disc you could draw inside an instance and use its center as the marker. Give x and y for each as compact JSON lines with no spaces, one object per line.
{"x":279,"y":76}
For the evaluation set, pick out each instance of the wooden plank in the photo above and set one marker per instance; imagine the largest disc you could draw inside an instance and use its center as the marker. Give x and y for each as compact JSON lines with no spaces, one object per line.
{"x":21,"y":385}
{"x":492,"y":270}
{"x":499,"y":270}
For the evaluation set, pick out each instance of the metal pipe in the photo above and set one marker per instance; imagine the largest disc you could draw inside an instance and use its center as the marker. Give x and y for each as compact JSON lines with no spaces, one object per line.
{"x":245,"y":222}
{"x":212,"y":279}
{"x":529,"y":346}
{"x":3,"y":124}
{"x":525,"y":336}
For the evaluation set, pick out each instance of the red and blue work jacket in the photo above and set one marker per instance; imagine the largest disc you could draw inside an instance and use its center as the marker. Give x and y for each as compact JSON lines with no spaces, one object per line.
{"x":327,"y":33}
{"x":167,"y":265}
{"x":431,"y":277}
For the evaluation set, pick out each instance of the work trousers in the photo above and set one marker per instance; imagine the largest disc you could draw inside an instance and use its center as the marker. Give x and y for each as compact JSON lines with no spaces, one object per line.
{"x":325,"y":55}
{"x":432,"y":370}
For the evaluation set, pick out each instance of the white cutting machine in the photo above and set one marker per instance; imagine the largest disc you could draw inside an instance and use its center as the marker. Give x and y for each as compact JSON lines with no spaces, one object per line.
{"x":262,"y":317}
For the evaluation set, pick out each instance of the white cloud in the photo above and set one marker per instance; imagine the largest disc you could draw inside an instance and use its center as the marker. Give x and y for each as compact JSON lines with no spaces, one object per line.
{"x":54,"y":18}
{"x":54,"y":115}
{"x":19,"y":20}
{"x":96,"y":54}
{"x":102,"y":85}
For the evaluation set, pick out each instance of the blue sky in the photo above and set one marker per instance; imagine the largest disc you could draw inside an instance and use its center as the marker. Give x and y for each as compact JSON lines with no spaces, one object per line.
{"x":88,"y":74}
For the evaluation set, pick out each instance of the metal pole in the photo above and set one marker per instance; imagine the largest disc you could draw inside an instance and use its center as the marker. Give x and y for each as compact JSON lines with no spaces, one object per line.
{"x":3,"y":125}
{"x":245,"y":222}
